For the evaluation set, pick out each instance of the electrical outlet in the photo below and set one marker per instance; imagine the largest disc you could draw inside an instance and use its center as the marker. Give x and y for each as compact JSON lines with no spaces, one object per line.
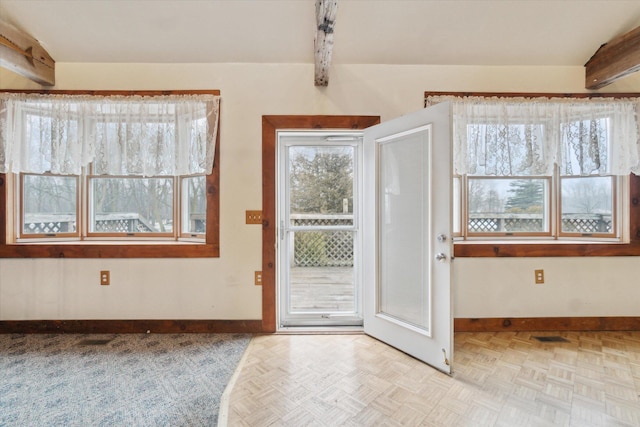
{"x":258,"y":278}
{"x":539,"y":275}
{"x":104,"y":277}
{"x":254,"y":217}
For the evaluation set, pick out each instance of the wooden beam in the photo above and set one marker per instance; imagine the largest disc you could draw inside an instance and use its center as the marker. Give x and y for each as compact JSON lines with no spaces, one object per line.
{"x":22,"y":54}
{"x":614,"y":60}
{"x":326,"y":19}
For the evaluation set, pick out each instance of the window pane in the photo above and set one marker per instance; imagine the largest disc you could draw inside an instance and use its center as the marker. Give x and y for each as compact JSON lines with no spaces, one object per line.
{"x":321,"y":182}
{"x":322,"y":272}
{"x":131,"y":205}
{"x":587,"y":204}
{"x":457,"y":206}
{"x":194,"y":205}
{"x":49,"y":204}
{"x":508,"y":205}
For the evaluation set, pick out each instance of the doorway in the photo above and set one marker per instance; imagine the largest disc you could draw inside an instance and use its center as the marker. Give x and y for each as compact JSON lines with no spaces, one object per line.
{"x":424,"y":136}
{"x":270,"y":126}
{"x":319,"y":217}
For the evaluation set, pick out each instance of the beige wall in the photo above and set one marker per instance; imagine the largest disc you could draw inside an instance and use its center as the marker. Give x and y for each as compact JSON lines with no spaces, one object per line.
{"x":223,"y":288}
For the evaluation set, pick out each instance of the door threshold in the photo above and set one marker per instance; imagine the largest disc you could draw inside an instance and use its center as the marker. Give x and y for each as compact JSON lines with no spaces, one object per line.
{"x":328,"y":330}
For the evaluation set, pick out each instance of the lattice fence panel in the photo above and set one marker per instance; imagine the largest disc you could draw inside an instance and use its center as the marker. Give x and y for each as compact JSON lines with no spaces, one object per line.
{"x":323,"y":249}
{"x":321,"y":221}
{"x":587,"y":225}
{"x":114,"y":226}
{"x":523,"y":225}
{"x":504,"y":224}
{"x":121,"y":226}
{"x":50,"y":227}
{"x":483,"y":225}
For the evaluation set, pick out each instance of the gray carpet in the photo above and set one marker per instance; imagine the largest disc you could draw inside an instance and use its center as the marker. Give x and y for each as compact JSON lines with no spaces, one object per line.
{"x":115,"y":380}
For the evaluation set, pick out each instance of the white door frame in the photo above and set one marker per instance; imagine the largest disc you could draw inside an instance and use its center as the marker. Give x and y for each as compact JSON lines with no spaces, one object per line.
{"x":286,"y":321}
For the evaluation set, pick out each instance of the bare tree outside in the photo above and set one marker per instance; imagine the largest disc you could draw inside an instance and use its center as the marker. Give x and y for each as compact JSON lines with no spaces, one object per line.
{"x":149,"y":198}
{"x":194,"y":220}
{"x":49,"y":194}
{"x":586,"y":195}
{"x":484,"y":196}
{"x":49,"y":203}
{"x":587,"y":204}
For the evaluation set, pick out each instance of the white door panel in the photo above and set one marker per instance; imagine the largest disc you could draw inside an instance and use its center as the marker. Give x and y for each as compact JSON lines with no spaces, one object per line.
{"x":407,"y":235}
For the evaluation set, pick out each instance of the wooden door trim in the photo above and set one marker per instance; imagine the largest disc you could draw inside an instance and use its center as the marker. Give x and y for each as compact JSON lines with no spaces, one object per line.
{"x":270,"y":125}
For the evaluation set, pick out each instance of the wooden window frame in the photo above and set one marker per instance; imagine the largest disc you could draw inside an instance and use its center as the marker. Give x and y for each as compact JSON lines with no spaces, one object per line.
{"x":88,"y":234}
{"x":616,"y":187}
{"x":118,"y":249}
{"x":20,"y":220}
{"x":557,"y":248}
{"x":548,"y":202}
{"x":180,"y":211}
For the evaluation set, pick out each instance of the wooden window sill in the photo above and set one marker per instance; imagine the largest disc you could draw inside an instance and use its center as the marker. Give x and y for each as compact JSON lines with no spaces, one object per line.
{"x":113,"y":249}
{"x":496,"y":249}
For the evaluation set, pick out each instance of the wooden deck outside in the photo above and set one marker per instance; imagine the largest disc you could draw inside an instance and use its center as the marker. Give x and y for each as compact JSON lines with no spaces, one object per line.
{"x":322,"y":289}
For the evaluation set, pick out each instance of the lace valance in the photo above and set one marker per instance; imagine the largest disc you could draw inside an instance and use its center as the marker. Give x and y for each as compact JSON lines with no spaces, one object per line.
{"x":530,"y":136}
{"x":117,"y":135}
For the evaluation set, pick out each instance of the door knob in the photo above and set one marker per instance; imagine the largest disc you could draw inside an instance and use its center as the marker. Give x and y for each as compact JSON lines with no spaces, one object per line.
{"x":441,"y":257}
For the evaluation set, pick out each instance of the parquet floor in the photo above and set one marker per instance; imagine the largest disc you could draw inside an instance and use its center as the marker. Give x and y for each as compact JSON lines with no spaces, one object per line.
{"x":501,"y":379}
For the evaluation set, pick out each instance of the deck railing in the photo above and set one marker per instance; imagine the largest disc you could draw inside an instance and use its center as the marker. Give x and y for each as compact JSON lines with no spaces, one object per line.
{"x":517,"y":222}
{"x":334,"y":248}
{"x":120,"y":222}
{"x":322,"y":248}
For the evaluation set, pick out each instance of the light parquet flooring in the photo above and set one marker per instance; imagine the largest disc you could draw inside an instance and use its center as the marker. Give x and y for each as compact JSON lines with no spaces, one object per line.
{"x":501,"y":379}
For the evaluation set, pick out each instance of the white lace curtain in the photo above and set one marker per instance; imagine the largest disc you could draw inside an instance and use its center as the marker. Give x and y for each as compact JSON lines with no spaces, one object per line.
{"x":530,"y":136}
{"x":118,"y":135}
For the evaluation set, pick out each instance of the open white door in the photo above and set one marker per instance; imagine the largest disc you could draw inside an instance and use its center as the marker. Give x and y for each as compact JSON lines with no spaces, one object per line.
{"x":407,"y":235}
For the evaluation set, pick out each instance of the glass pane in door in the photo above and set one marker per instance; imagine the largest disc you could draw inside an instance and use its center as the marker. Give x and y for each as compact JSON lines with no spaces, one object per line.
{"x":320,"y":234}
{"x":407,"y":243}
{"x":321,"y":277}
{"x":321,"y":184}
{"x":403,"y":188}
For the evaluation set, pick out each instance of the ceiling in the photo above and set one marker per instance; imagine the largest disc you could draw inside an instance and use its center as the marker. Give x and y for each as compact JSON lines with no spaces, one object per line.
{"x":448,"y":32}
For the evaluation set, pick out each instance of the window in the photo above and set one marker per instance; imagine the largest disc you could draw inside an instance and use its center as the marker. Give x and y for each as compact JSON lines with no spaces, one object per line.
{"x":113,"y":175}
{"x":508,"y":193}
{"x":534,"y":170}
{"x":48,"y":205}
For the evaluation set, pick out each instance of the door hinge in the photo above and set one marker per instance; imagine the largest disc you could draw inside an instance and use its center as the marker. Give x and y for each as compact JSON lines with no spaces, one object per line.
{"x":444,"y":353}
